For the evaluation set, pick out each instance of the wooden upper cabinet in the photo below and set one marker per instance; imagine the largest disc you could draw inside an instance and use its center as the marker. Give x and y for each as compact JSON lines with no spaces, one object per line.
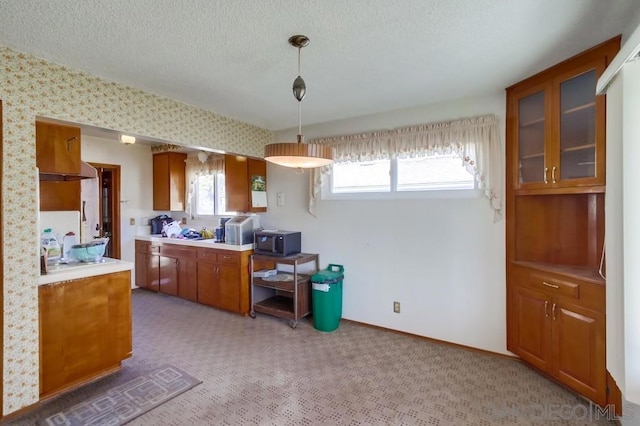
{"x":242,"y":175}
{"x":556,"y":124}
{"x":57,"y":148}
{"x":169,"y":183}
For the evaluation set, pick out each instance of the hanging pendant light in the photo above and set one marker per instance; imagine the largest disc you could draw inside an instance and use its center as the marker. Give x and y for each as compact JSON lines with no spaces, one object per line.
{"x":299,"y":154}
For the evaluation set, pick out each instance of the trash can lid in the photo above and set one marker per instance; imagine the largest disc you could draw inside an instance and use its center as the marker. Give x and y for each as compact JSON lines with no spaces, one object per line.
{"x":328,"y":276}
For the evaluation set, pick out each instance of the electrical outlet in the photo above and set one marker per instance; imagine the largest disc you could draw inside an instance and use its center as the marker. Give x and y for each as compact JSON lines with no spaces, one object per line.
{"x":184,"y":220}
{"x":280,"y":199}
{"x":396,"y":307}
{"x":132,"y":221}
{"x":145,"y":221}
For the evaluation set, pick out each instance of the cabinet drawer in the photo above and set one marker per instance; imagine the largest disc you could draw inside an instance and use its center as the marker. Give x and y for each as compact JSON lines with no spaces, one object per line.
{"x":208,"y":254}
{"x":177,"y":251}
{"x":228,"y":258}
{"x":554,"y":286}
{"x":155,"y":249}
{"x":142,"y":246}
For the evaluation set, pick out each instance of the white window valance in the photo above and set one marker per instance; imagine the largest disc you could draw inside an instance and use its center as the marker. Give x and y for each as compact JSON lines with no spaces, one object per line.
{"x":476,"y":140}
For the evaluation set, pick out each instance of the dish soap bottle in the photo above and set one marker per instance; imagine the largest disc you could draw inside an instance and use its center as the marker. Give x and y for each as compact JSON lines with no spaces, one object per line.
{"x":50,"y":242}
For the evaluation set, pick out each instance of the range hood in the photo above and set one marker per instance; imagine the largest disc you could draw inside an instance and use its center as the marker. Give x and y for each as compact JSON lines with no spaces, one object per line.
{"x":86,"y":172}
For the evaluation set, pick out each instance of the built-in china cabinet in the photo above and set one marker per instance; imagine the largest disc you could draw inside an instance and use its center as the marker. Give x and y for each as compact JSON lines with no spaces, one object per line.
{"x":555,"y":221}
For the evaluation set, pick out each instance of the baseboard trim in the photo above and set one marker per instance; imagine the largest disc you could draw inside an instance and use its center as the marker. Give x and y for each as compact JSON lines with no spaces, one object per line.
{"x":431,"y":339}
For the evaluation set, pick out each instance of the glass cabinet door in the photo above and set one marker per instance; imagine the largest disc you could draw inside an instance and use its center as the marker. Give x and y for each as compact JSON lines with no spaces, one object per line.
{"x":531,"y":138}
{"x":578,"y":127}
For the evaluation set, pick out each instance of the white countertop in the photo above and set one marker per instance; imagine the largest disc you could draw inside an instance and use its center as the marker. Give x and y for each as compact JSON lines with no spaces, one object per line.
{"x":84,"y":270}
{"x":194,"y":243}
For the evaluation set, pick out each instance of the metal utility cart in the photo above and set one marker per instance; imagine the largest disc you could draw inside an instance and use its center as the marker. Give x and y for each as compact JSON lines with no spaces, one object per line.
{"x":290,"y":291}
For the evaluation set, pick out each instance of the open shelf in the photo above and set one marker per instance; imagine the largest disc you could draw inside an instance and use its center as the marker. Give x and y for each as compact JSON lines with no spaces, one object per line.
{"x":278,"y":306}
{"x":583,"y":273}
{"x":282,"y":285}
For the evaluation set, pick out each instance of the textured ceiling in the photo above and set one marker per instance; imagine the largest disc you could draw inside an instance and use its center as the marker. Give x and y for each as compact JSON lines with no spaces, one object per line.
{"x":365,"y":56}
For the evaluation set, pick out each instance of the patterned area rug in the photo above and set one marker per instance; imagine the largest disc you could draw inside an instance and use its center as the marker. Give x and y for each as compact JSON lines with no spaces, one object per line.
{"x":127,"y":401}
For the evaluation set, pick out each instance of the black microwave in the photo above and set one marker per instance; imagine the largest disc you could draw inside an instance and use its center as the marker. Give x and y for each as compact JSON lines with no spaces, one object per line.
{"x":277,"y":243}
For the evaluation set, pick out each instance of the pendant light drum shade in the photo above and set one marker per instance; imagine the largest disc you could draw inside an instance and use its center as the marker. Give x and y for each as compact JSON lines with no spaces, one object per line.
{"x":299,"y":155}
{"x":302,"y":155}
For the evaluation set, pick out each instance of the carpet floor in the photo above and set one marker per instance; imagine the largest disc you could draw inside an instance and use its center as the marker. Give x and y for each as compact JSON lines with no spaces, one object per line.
{"x":262,"y":372}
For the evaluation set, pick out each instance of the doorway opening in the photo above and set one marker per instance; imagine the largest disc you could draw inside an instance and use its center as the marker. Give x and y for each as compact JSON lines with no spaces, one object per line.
{"x":109,"y":207}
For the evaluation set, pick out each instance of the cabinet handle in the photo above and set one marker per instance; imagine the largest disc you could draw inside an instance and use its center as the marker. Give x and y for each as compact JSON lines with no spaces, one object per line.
{"x":546,"y":170}
{"x":69,"y":142}
{"x":177,"y":265}
{"x":217,"y":272}
{"x":553,"y":174}
{"x":550,"y":285}
{"x":546,"y":304}
{"x":553,"y":312}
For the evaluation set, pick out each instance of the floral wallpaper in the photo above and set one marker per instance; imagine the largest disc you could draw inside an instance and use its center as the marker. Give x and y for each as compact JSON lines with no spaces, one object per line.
{"x":31,"y":87}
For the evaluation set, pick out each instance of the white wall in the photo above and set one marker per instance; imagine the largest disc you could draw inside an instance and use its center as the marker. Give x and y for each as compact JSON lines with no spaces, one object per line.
{"x":443,"y":259}
{"x":136,"y":176}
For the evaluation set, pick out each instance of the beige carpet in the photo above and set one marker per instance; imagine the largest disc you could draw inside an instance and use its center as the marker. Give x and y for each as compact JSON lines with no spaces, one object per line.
{"x":262,"y":372}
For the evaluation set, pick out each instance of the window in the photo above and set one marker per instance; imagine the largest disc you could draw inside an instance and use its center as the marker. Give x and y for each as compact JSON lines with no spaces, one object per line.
{"x":209,"y":195}
{"x":429,"y":173}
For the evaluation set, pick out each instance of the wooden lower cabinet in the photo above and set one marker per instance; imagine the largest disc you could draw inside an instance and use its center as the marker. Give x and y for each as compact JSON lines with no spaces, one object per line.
{"x":214,"y":277}
{"x":561,"y":331}
{"x":223,"y":279}
{"x":85,"y":330}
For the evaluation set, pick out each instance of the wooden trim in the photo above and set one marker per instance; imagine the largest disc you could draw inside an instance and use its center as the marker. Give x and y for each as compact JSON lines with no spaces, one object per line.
{"x":1,"y":269}
{"x":115,"y":170}
{"x":614,"y":396}
{"x":438,"y":341}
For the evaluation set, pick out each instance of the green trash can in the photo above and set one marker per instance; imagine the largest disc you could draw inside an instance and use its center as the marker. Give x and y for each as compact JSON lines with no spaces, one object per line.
{"x":327,"y":297}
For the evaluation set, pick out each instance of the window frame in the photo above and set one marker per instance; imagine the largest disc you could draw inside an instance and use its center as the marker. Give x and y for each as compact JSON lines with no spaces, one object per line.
{"x":217,"y":211}
{"x":394,"y":194}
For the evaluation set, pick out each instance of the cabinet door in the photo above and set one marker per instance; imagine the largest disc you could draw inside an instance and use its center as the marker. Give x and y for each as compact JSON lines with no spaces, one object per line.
{"x":207,"y":277}
{"x":578,"y":342}
{"x":153,"y":272}
{"x":239,"y":174}
{"x":530,"y":109}
{"x":187,"y":279}
{"x":580,"y":121}
{"x":60,"y":196}
{"x":141,"y":269}
{"x":530,"y":316}
{"x":236,"y":183}
{"x":57,"y":148}
{"x":168,"y":275}
{"x":227,"y":290}
{"x":169,"y":181}
{"x":73,"y":347}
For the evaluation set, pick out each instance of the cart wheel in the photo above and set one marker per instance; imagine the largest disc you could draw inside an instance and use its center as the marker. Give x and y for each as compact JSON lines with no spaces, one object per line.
{"x":293,"y":324}
{"x":252,"y":314}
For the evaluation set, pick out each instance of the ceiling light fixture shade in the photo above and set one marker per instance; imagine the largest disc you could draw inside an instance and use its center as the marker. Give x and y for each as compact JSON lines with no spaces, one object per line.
{"x":299,"y":154}
{"x":203,"y":156}
{"x":127,"y":140}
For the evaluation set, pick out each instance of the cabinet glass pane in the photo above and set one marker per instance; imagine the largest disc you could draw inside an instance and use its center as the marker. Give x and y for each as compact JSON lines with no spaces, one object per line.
{"x":531,"y":138}
{"x":578,"y":126}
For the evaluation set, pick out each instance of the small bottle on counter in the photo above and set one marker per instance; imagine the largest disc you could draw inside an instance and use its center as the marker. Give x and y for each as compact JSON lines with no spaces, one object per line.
{"x":43,"y":261}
